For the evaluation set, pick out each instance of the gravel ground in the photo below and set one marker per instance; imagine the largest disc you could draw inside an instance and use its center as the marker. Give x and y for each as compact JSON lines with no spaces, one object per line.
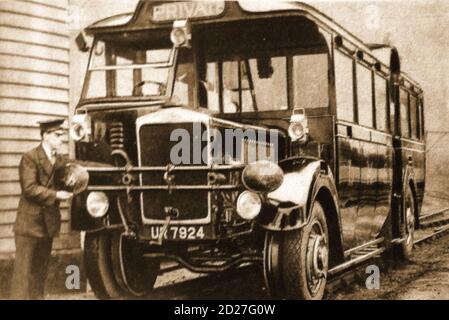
{"x":425,"y":277}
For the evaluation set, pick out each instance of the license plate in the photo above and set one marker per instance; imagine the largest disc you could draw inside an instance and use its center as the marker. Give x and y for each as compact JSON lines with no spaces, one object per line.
{"x":178,"y":232}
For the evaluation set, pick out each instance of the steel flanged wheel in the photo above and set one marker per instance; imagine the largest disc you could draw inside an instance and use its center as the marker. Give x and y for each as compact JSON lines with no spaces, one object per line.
{"x":98,"y":264}
{"x":405,"y":250}
{"x":134,"y":273}
{"x":115,"y":266}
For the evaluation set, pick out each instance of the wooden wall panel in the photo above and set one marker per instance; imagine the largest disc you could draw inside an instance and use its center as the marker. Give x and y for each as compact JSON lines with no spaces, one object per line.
{"x":24,"y":49}
{"x":34,"y":85}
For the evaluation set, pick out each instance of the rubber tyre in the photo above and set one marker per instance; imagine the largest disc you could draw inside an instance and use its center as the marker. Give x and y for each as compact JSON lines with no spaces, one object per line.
{"x":293,"y":259}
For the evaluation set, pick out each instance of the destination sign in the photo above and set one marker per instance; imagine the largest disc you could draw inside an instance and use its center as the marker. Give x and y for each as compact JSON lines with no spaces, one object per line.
{"x":187,"y":10}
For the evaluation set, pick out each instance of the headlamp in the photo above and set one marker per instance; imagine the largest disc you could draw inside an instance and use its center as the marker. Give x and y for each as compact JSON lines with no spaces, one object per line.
{"x":97,"y":204}
{"x":249,"y":205}
{"x":296,"y":131}
{"x":81,"y":127}
{"x":180,"y":36}
{"x":299,"y":128}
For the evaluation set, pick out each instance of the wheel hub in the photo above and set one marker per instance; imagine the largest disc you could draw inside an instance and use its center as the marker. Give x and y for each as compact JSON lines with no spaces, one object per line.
{"x":317,"y":259}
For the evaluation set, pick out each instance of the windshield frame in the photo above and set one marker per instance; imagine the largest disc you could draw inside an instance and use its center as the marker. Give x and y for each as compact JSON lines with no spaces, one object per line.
{"x":170,"y":65}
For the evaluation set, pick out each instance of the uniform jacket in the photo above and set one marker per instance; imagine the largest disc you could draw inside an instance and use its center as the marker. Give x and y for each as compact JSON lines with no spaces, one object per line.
{"x":38,"y":214}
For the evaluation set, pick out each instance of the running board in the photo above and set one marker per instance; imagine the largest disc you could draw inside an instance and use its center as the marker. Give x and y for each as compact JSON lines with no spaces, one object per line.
{"x":356,"y":261}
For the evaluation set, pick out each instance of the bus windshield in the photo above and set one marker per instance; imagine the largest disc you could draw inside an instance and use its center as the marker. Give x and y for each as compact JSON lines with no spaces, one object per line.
{"x":117,"y":71}
{"x":225,"y":70}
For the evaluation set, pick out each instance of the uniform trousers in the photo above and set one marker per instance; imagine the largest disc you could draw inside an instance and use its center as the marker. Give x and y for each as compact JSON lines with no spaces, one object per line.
{"x":30,"y":267}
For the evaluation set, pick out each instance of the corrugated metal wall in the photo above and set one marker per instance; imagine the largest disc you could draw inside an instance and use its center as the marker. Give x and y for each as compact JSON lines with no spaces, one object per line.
{"x":34,"y":84}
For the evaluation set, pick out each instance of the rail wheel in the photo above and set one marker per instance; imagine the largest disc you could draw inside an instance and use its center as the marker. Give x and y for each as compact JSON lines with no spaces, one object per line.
{"x":98,"y":264}
{"x":134,"y":273}
{"x":296,"y":262}
{"x":405,"y":249}
{"x":115,"y":266}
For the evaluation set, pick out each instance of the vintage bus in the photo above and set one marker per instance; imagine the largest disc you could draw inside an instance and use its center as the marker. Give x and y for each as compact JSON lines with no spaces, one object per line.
{"x":344,"y":181}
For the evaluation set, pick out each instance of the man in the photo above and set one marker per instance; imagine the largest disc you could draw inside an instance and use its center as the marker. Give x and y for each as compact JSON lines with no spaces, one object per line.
{"x":38,"y":218}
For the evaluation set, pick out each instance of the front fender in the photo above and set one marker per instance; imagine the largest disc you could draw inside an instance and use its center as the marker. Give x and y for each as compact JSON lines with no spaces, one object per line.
{"x":287,"y":208}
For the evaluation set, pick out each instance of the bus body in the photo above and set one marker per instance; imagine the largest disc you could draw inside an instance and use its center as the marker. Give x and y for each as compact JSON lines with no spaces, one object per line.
{"x":344,"y":131}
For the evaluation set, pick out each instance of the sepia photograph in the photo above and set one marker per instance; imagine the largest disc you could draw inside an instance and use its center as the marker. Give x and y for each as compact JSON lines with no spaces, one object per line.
{"x":230,"y":151}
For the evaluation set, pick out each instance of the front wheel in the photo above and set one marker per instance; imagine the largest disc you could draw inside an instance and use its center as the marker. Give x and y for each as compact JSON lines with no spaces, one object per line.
{"x":296,"y":262}
{"x":116,"y":267}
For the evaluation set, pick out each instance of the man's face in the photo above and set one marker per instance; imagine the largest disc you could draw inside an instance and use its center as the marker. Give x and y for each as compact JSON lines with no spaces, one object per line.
{"x":54,"y":139}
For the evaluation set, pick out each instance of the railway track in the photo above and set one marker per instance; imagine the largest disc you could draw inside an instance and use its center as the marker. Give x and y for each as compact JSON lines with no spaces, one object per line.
{"x":247,"y":282}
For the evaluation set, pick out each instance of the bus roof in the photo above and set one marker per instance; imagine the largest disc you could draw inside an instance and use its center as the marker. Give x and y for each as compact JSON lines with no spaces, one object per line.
{"x":198,"y":12}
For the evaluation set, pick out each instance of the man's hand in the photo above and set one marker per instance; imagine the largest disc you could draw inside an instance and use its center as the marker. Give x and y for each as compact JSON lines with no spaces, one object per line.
{"x":63,"y":195}
{"x":71,"y":181}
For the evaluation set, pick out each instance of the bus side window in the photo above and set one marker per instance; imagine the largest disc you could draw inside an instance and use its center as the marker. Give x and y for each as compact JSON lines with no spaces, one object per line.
{"x":364,"y":96}
{"x":405,"y":116}
{"x":421,"y":118}
{"x":414,"y":117}
{"x":344,"y":86}
{"x":391,"y":107}
{"x":310,"y":81}
{"x":380,"y":86}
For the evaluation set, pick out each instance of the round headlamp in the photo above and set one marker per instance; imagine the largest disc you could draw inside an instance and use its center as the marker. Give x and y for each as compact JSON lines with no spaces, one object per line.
{"x":296,"y":131}
{"x":178,"y":37}
{"x":97,"y":204}
{"x":249,"y":205}
{"x":77,"y":132}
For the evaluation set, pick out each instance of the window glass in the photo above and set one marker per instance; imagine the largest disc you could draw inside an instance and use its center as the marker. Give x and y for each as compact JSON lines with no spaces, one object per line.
{"x":261,"y":86}
{"x":125,"y":82}
{"x":364,"y":96}
{"x":184,"y":86}
{"x":270,"y":89}
{"x":405,"y":130}
{"x":344,"y":87}
{"x":114,"y":55}
{"x":414,"y":117}
{"x":246,"y":86}
{"x":421,"y":117}
{"x":126,"y":71}
{"x":310,"y":81}
{"x":392,"y":107}
{"x":97,"y":85}
{"x":381,"y":102}
{"x":231,"y":97}
{"x":210,"y":86}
